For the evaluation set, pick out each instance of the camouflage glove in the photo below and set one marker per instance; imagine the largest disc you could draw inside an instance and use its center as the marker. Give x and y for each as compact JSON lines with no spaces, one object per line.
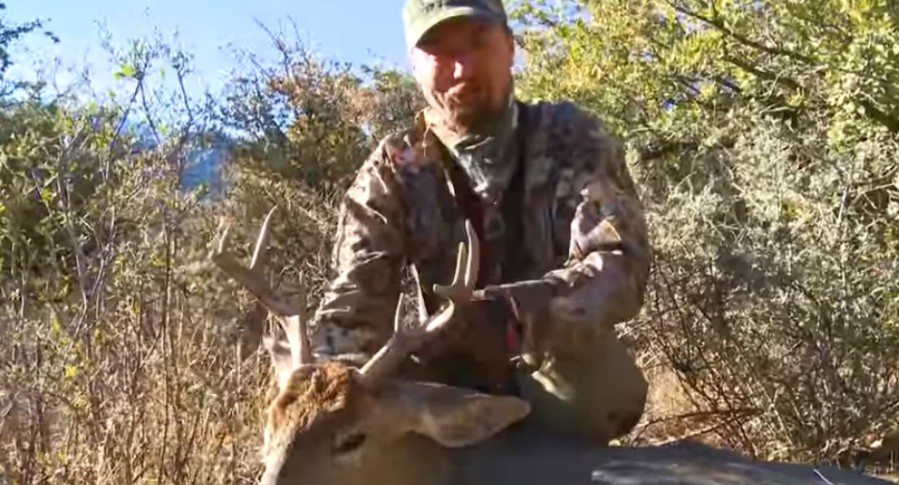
{"x":529,"y":303}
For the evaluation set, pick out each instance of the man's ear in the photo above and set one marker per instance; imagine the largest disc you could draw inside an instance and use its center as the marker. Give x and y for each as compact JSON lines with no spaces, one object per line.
{"x":511,"y":41}
{"x":451,"y":416}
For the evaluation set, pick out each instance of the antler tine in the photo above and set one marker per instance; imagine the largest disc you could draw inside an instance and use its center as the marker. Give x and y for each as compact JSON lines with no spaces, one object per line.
{"x":474,"y":256}
{"x":223,"y":239}
{"x":253,"y":322}
{"x":305,"y":349}
{"x":262,"y":240}
{"x":294,"y":325}
{"x":465,"y":278}
{"x":459,"y":274}
{"x":297,"y":338}
{"x":402,"y":343}
{"x":398,"y":315}
{"x":290,"y":313}
{"x":422,"y":308}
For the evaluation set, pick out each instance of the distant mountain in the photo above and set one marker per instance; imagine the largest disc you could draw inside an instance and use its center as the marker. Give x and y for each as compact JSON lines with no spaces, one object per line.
{"x":207,"y":153}
{"x":205,"y":161}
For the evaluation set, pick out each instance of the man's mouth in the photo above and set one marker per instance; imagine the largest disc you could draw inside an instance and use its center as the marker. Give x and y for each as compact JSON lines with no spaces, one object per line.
{"x":461,"y":98}
{"x":462,"y":91}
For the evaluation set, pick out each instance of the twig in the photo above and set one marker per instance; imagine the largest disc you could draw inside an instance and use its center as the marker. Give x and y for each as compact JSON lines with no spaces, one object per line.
{"x":822,"y":477}
{"x":693,"y":434}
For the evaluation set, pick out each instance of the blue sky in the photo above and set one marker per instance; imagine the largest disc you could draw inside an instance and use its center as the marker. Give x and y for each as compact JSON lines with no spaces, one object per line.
{"x":355,"y":31}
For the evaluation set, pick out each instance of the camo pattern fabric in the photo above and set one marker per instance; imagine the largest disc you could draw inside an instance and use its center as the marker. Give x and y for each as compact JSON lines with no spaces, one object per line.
{"x":581,"y":236}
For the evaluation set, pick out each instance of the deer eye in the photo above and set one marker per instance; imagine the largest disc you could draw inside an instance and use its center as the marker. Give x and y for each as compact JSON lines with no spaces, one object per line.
{"x":346,"y":443}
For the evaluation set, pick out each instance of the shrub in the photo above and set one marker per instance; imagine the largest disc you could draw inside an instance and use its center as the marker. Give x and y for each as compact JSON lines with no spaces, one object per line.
{"x":763,"y":137}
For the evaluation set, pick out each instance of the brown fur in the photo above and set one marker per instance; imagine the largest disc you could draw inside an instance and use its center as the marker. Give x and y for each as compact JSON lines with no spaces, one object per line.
{"x":310,"y":392}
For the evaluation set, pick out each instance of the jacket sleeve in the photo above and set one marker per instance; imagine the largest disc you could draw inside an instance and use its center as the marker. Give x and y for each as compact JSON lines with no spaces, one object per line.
{"x":355,"y":314}
{"x":603,"y":280}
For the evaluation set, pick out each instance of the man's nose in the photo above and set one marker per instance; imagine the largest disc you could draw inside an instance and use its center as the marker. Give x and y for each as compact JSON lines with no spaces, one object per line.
{"x":463,"y":67}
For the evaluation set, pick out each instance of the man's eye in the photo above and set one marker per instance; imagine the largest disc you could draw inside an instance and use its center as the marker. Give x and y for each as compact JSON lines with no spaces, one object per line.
{"x":434,"y":52}
{"x":347,"y":443}
{"x":427,"y":46}
{"x":481,"y":38}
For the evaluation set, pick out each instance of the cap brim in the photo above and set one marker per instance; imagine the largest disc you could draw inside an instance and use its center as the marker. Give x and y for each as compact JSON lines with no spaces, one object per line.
{"x":417,"y":31}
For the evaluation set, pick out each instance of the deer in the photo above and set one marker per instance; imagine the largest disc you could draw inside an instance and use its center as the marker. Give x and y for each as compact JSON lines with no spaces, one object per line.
{"x":334,"y":423}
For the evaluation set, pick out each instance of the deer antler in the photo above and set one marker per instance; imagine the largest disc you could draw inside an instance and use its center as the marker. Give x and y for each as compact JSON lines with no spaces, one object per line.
{"x":404,"y":342}
{"x":290,"y":313}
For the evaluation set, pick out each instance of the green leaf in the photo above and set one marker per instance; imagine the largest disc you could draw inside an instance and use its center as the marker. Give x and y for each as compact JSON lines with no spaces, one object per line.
{"x":47,"y":195}
{"x":125,"y":71}
{"x":71,"y":372}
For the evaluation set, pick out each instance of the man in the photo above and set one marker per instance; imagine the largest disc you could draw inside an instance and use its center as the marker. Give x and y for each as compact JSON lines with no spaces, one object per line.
{"x":564,"y":250}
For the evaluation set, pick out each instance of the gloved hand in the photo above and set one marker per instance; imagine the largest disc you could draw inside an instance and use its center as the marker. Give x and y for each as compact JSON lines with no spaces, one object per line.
{"x":529,"y":302}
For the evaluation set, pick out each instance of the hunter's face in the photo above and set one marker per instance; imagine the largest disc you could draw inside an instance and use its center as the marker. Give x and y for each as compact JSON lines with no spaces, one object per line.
{"x":464,"y":68}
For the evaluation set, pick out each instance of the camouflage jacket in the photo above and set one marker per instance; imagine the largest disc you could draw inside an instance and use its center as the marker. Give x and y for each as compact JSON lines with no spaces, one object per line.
{"x":575,"y":231}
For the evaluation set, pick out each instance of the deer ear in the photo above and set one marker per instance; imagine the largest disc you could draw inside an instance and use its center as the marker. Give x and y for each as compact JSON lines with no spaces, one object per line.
{"x":452,"y":416}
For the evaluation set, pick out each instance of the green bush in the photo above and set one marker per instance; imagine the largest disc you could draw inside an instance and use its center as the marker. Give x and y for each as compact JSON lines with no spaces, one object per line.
{"x":764,"y":139}
{"x":130,"y":359}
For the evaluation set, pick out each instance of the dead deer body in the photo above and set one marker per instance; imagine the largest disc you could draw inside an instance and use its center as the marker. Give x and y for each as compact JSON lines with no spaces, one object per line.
{"x":332,"y":423}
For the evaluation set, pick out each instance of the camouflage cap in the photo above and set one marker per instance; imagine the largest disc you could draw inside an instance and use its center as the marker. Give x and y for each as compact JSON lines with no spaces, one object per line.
{"x":419,"y":16}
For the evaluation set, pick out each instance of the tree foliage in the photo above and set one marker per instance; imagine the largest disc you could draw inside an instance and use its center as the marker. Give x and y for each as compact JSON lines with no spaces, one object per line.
{"x":313,"y":119}
{"x":9,"y":34}
{"x":129,"y":359}
{"x":764,"y":138}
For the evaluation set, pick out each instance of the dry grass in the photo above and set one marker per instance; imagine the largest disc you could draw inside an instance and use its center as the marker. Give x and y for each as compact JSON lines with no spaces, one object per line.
{"x":671,"y":415}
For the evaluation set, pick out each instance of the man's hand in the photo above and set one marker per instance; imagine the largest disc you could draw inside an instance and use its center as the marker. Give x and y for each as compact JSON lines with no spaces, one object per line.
{"x":532,"y":302}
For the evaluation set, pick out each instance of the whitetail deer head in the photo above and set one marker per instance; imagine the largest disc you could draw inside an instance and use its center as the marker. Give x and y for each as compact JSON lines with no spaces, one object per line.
{"x":335,"y":424}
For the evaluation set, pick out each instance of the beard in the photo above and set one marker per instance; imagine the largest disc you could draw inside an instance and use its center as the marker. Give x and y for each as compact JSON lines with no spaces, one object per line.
{"x":466,"y":109}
